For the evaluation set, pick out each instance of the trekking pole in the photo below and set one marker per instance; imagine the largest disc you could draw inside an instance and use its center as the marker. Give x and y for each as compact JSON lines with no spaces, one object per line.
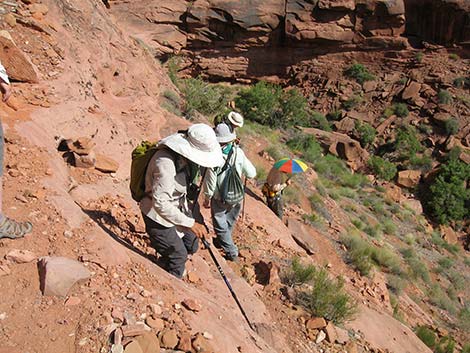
{"x":244,"y":201}
{"x":221,"y":271}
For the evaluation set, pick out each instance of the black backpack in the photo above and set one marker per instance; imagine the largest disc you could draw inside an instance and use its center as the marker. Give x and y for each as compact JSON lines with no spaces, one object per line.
{"x":231,"y":189}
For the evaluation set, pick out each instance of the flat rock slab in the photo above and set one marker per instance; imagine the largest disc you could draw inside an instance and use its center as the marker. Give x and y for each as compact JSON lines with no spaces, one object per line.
{"x":58,"y":274}
{"x":301,"y":234}
{"x":20,"y":256}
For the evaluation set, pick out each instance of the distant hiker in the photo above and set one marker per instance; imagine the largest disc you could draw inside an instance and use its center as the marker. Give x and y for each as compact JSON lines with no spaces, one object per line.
{"x":172,"y":229}
{"x":275,"y":184}
{"x":9,"y":228}
{"x":233,"y":120}
{"x":224,"y":190}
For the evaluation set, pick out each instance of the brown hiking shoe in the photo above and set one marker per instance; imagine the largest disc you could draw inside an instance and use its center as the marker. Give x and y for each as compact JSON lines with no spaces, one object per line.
{"x":9,"y":228}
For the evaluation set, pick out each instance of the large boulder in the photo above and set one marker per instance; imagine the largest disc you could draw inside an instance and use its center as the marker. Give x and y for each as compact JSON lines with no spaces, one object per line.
{"x":18,"y":65}
{"x":58,"y":274}
{"x":408,"y":178}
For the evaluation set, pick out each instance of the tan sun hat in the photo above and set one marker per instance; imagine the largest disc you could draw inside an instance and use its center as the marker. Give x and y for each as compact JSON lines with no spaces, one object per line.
{"x":199,"y":145}
{"x":223,"y":134}
{"x":235,"y":118}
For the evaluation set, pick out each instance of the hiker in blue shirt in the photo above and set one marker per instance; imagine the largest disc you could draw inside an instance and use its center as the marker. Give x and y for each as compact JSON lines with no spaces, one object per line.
{"x":225,"y":211}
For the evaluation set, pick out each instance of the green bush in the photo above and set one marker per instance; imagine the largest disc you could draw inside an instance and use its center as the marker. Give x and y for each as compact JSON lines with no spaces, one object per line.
{"x":462,"y":82}
{"x":268,"y":104}
{"x":445,"y":263}
{"x":307,"y":146}
{"x":389,"y":226}
{"x":320,"y":121}
{"x":448,"y":194}
{"x":327,"y":298}
{"x":445,"y":345}
{"x":419,"y":57}
{"x":451,"y":126}
{"x":363,"y":255}
{"x":454,"y":56}
{"x":444,"y":97}
{"x":366,"y":133}
{"x":464,"y":318}
{"x":352,"y":102}
{"x":334,"y":115}
{"x":274,"y":152}
{"x":417,"y":269}
{"x":407,"y":143}
{"x":294,"y":109}
{"x":427,"y":336}
{"x":335,"y":169}
{"x":172,"y":102}
{"x":382,"y":168}
{"x":466,"y":348}
{"x":400,"y":110}
{"x":204,"y":97}
{"x":396,"y":284}
{"x":439,"y":298}
{"x":298,"y":273}
{"x":359,"y":73}
{"x":173,"y":66}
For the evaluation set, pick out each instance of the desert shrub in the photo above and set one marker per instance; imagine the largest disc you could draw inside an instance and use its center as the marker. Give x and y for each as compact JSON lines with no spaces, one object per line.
{"x":464,"y":318}
{"x":359,"y":73}
{"x":260,"y":103}
{"x":445,"y":345}
{"x":389,"y":226}
{"x":294,"y":109}
{"x":298,"y":273}
{"x":204,"y":97}
{"x":364,"y":255}
{"x":437,"y":240}
{"x":445,"y":263}
{"x":457,"y":279}
{"x":291,"y":195}
{"x":427,"y":336}
{"x":275,"y":152}
{"x":306,"y":146}
{"x":417,"y":268}
{"x":400,"y":110}
{"x":439,"y":298}
{"x":352,"y":102}
{"x":466,"y":348}
{"x":358,"y":223}
{"x":454,"y":56}
{"x":171,"y":102}
{"x":320,"y":121}
{"x":419,"y":56}
{"x":451,"y":126}
{"x":396,"y":284}
{"x":444,"y":97}
{"x":327,"y":298}
{"x":334,"y":115}
{"x":173,"y":66}
{"x":407,"y":143}
{"x":366,"y":133}
{"x":422,"y":161}
{"x":268,"y":104}
{"x":373,"y":231}
{"x":425,"y":129}
{"x":448,"y":194}
{"x":319,"y":207}
{"x":382,"y":168}
{"x":335,"y":169}
{"x":462,"y":82}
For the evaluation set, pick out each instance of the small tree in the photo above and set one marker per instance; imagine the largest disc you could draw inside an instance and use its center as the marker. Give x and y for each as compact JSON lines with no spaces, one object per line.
{"x":382,"y":168}
{"x":366,"y":133}
{"x":359,"y":72}
{"x":448,"y":193}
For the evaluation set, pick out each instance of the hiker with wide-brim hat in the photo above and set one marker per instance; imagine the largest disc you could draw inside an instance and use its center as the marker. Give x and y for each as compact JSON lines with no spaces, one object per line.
{"x":233,"y":120}
{"x":224,"y":190}
{"x":168,"y":220}
{"x":278,"y":179}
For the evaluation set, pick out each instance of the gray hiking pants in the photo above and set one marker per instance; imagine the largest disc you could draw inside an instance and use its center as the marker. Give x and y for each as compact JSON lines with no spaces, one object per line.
{"x":172,"y":249}
{"x":223,"y":219}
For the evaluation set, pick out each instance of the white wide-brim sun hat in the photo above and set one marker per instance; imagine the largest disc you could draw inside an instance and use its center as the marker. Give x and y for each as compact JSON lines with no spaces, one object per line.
{"x":223,"y":134}
{"x":235,"y":118}
{"x":200,"y":146}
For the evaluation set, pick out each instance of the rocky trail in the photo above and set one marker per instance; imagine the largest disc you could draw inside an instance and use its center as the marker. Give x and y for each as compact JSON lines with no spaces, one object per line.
{"x":86,"y":280}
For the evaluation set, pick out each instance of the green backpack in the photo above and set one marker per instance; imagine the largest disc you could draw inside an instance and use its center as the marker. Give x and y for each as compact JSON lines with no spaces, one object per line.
{"x":140,"y":159}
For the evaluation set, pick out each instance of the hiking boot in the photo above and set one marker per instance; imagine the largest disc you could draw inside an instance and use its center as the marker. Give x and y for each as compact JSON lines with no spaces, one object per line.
{"x":9,"y":228}
{"x":233,"y":258}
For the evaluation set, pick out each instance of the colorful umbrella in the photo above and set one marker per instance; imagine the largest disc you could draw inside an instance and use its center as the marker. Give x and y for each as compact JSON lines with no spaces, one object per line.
{"x":290,"y":165}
